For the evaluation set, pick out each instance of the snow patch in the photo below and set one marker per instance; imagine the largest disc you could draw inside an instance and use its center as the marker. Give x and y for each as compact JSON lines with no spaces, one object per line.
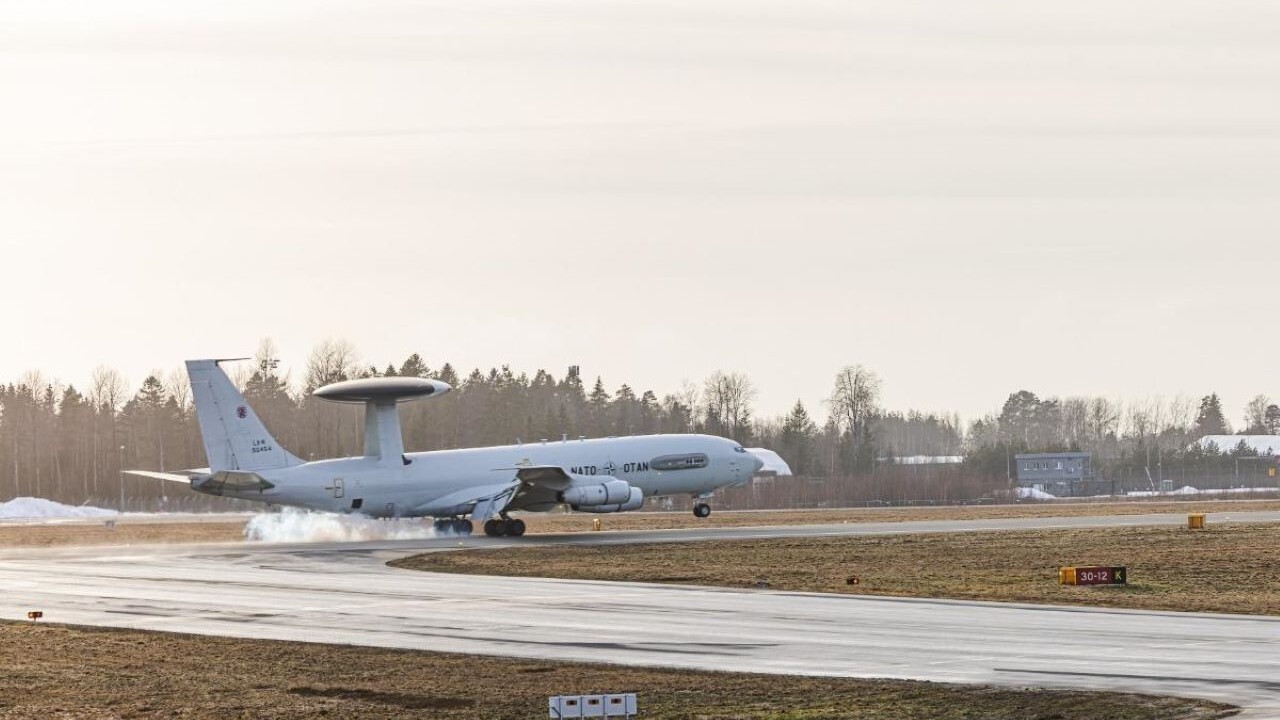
{"x":1188,"y":490}
{"x":1034,"y":494}
{"x":292,"y":525}
{"x":30,"y":507}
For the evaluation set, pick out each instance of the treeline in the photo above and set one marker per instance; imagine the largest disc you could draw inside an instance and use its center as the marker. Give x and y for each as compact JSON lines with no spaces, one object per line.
{"x":70,"y":443}
{"x":1149,"y":439}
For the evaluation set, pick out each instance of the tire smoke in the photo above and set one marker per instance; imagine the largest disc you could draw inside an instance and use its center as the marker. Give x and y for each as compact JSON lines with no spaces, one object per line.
{"x":292,"y":525}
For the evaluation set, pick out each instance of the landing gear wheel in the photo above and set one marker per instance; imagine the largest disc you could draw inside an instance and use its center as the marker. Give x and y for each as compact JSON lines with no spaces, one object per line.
{"x":462,"y":526}
{"x":701,"y":510}
{"x":515,"y":527}
{"x":494,"y":527}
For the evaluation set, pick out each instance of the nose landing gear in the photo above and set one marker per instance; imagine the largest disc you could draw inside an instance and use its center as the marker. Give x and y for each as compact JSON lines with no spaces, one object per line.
{"x":701,"y":510}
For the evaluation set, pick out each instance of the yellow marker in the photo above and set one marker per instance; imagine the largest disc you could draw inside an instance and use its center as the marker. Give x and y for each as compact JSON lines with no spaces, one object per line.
{"x":1066,"y":576}
{"x":597,"y":524}
{"x":1195,"y":521}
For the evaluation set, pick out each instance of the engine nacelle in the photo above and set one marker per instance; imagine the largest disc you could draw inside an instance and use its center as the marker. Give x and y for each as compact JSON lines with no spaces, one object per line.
{"x":614,"y":492}
{"x":634,"y":502}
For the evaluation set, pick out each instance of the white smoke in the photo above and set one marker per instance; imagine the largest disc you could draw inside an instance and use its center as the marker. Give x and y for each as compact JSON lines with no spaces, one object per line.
{"x":292,"y":525}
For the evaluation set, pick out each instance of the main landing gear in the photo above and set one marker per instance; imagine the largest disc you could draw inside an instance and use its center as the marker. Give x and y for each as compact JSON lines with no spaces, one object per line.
{"x":499,"y":526}
{"x":457,"y":526}
{"x":701,"y":510}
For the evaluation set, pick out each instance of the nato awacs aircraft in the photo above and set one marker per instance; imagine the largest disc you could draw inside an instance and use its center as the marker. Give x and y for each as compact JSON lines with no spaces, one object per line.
{"x":597,"y":476}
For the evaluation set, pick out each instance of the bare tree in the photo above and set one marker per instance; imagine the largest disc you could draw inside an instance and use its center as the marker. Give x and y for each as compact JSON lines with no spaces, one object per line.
{"x":855,"y":400}
{"x":729,"y":396}
{"x":1255,"y":415}
{"x":239,"y":374}
{"x":267,"y":359}
{"x":107,"y":389}
{"x":331,"y":361}
{"x":1159,"y":413}
{"x":1140,"y":419}
{"x":1075,"y":420}
{"x":1182,"y":413}
{"x":178,"y":386}
{"x":1104,"y":418}
{"x":690,"y":396}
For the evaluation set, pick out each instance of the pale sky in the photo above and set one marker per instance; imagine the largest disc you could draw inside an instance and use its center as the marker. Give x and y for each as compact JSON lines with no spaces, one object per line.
{"x":969,"y":198}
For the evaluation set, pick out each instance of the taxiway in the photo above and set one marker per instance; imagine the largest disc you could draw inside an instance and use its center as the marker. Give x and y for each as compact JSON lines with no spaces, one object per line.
{"x":344,"y":593}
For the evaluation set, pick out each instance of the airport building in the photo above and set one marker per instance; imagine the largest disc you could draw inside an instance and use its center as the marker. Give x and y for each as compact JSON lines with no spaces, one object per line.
{"x":1061,"y":474}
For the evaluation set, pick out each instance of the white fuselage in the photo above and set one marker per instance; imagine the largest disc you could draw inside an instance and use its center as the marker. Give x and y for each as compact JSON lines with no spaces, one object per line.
{"x":441,"y":483}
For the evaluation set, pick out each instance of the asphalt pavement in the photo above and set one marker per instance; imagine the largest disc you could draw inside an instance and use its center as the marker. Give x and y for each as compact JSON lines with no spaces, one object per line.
{"x":344,"y":593}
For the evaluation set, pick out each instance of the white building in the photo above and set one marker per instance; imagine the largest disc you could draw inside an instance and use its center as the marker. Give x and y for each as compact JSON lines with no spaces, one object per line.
{"x":1262,"y":444}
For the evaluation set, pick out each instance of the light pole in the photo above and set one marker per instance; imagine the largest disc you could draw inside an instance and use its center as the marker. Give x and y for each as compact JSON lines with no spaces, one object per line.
{"x":121,"y":467}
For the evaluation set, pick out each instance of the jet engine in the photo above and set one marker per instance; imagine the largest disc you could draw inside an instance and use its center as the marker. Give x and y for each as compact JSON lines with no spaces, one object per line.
{"x":634,"y":501}
{"x":613,"y":492}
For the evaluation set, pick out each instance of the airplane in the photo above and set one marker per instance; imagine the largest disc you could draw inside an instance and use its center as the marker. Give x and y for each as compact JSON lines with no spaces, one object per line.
{"x":455,"y":487}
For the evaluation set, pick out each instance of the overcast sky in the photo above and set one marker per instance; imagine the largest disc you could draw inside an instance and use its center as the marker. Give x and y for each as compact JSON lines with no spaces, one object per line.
{"x":969,"y":198}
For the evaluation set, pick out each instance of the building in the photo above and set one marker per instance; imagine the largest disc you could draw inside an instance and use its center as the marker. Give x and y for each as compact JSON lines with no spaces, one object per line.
{"x":1059,"y":474}
{"x":925,"y":459}
{"x":1261,"y":444}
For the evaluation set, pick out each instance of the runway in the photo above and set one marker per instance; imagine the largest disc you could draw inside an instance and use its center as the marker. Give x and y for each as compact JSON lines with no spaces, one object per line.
{"x":343,"y":593}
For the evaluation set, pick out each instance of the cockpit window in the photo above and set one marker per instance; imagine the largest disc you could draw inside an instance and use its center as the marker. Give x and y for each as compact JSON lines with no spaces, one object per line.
{"x":740,"y":449}
{"x":679,"y":462}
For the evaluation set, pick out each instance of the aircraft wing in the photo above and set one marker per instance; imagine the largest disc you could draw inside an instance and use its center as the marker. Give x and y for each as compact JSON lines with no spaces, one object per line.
{"x":490,"y":505}
{"x":545,"y":476}
{"x":534,"y":486}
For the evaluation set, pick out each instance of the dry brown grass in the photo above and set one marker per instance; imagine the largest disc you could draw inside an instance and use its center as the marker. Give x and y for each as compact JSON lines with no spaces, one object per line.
{"x":1227,"y":568}
{"x":578,"y":522}
{"x":50,"y":671}
{"x":140,"y":531}
{"x":124,"y":533}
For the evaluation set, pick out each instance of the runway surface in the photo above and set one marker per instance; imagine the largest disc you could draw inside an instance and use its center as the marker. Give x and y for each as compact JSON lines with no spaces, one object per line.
{"x":343,"y":593}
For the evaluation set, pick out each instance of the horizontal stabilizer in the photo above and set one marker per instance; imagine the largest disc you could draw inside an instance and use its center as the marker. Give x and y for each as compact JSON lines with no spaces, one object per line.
{"x":183,"y":476}
{"x":233,"y":482}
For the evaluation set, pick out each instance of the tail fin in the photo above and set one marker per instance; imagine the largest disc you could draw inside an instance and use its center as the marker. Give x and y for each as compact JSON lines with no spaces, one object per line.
{"x":234,"y":437}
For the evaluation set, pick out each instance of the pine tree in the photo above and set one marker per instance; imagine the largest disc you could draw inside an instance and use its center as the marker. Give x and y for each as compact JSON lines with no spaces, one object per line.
{"x":598,"y":407}
{"x":625,"y":412}
{"x":1273,"y":420}
{"x":798,"y":432}
{"x":413,"y":366}
{"x":1210,"y":420}
{"x":649,"y":412}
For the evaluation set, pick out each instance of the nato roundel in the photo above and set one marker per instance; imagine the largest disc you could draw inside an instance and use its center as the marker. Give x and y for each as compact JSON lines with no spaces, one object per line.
{"x":381,"y":389}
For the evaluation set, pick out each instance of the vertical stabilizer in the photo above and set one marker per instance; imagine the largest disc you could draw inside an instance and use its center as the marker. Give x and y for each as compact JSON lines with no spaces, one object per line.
{"x":234,"y":437}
